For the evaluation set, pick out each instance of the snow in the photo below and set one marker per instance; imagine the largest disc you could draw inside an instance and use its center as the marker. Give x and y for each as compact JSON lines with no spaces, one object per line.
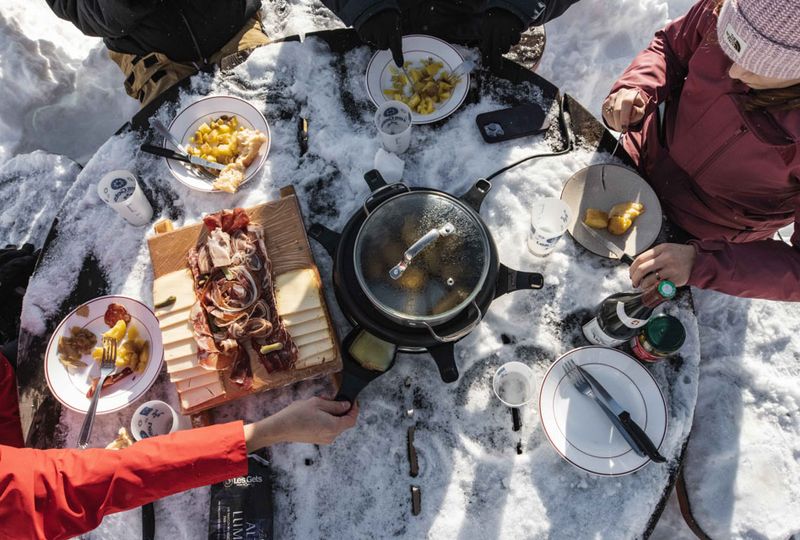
{"x":63,"y":95}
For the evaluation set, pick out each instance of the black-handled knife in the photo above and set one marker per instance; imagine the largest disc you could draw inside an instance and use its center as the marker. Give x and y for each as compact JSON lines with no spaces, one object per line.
{"x":632,"y":429}
{"x":186,"y":158}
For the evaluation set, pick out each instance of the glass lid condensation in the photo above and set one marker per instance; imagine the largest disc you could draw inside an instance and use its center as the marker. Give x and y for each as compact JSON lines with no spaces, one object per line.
{"x":443,"y":277}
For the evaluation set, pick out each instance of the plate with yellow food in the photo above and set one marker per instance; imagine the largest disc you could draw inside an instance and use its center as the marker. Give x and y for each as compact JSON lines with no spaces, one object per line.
{"x":74,"y":353}
{"x":435,"y":91}
{"x":617,"y":204}
{"x":223,"y":129}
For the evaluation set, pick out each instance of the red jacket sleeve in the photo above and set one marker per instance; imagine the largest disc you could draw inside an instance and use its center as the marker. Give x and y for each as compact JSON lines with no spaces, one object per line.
{"x":768,"y":269}
{"x":61,"y":493}
{"x":664,"y":64}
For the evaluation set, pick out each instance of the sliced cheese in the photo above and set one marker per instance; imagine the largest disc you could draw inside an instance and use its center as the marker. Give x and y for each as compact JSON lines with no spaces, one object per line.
{"x":315,"y":359}
{"x":312,"y":349}
{"x":298,"y":290}
{"x":195,"y":371}
{"x":197,"y":396}
{"x":182,"y":364}
{"x":291,"y":319}
{"x":180,"y":349}
{"x":308,"y":327}
{"x":178,"y":284}
{"x":177,"y":333}
{"x":320,"y":335}
{"x":205,"y":379}
{"x":176,"y":317}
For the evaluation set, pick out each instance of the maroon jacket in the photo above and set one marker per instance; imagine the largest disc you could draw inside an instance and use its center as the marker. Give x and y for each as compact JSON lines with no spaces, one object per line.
{"x":730,"y":178}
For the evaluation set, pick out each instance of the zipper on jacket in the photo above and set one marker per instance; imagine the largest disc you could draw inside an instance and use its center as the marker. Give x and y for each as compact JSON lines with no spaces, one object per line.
{"x":197,"y":49}
{"x":713,"y":157}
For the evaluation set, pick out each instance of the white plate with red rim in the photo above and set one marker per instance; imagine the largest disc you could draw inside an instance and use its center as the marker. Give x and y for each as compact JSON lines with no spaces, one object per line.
{"x":577,"y":427}
{"x":416,"y":48}
{"x":69,"y":386}
{"x":208,"y":109}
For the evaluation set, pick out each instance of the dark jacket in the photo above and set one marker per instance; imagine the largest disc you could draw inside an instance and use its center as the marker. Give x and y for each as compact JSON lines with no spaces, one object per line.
{"x":143,"y":26}
{"x":456,"y":20}
{"x":728,"y":176}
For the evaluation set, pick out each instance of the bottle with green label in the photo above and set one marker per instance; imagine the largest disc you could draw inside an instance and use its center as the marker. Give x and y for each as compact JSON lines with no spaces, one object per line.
{"x":621,"y":315}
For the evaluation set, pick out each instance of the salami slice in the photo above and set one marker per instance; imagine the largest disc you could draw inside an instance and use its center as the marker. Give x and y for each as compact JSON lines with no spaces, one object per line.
{"x":114,"y":313}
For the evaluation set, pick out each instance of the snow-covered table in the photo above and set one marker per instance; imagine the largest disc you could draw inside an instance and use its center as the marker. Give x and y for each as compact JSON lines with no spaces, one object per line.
{"x":479,"y":479}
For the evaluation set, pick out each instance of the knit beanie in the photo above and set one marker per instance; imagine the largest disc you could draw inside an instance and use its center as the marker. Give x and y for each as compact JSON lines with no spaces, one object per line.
{"x":762,"y":36}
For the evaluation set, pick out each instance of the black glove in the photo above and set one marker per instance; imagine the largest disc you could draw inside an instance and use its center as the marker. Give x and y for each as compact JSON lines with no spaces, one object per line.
{"x":383,"y":31}
{"x":16,"y":266}
{"x":501,"y":29}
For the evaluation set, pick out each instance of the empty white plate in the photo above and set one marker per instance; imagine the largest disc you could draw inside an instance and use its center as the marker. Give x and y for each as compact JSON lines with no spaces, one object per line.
{"x":70,"y":386}
{"x":185,"y":124}
{"x":576,"y":425}
{"x":415,"y":49}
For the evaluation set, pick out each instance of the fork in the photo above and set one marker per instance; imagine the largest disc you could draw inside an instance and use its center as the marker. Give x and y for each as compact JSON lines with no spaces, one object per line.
{"x":164,"y":131}
{"x":578,"y":380}
{"x":106,"y":368}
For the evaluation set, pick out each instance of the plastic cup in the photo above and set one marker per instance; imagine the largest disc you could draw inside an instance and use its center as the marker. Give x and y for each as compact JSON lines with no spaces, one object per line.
{"x":549,"y":220}
{"x":154,"y":418}
{"x":514,"y":384}
{"x":120,"y":190}
{"x":393,"y":120}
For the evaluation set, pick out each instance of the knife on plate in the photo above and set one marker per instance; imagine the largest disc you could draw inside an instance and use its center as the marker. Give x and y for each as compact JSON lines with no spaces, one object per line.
{"x":622,"y":420}
{"x":621,"y":255}
{"x":186,"y":158}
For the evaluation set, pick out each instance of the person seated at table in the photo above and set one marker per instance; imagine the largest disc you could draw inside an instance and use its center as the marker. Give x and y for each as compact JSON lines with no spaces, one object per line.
{"x":157,"y":43}
{"x":61,"y":493}
{"x":727,"y":171}
{"x":493,"y":25}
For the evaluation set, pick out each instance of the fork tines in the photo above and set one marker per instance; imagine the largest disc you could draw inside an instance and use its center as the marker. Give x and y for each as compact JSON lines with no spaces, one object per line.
{"x":109,"y":351}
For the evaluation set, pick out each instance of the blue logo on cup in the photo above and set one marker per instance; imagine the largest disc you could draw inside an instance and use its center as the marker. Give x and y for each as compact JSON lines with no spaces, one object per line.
{"x":391,"y":111}
{"x":118,"y":183}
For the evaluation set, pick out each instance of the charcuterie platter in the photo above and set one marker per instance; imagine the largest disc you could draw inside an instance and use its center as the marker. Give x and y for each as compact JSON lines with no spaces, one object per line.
{"x":240,"y":305}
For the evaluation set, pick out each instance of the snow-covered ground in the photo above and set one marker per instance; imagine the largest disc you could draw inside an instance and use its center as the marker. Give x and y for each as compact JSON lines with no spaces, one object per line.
{"x":61,"y":94}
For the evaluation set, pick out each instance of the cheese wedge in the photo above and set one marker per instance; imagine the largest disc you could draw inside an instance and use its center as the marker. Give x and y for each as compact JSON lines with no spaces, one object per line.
{"x":291,"y":319}
{"x":180,"y":349}
{"x":315,"y":359}
{"x":177,"y":333}
{"x":320,"y":335}
{"x":197,"y":396}
{"x":298,"y":290}
{"x":182,"y":364}
{"x":184,"y":374}
{"x":203,"y":380}
{"x":308,"y":327}
{"x":178,"y":284}
{"x":175,"y":317}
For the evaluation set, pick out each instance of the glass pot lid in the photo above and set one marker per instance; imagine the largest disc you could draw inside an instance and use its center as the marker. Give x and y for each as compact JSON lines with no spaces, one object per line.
{"x":422,"y":256}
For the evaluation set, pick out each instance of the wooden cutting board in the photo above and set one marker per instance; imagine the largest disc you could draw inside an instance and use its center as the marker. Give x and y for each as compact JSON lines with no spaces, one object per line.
{"x":288,"y":249}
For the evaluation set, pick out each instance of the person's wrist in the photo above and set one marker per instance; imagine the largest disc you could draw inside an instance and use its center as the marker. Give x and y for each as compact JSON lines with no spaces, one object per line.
{"x":264,"y":432}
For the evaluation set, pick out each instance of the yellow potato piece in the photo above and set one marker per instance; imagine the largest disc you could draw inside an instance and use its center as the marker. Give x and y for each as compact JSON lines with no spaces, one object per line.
{"x":619,"y":225}
{"x":117,"y":331}
{"x":631,"y":209}
{"x":596,"y":219}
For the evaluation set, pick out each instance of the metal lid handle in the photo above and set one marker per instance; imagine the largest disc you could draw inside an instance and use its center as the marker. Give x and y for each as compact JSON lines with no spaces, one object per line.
{"x":430,"y":237}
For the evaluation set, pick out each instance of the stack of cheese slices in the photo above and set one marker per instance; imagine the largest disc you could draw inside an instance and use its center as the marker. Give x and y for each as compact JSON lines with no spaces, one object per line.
{"x":299,"y":302}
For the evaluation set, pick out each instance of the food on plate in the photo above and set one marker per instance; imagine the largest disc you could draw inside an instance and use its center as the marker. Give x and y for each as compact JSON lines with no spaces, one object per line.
{"x":111,"y":380}
{"x":123,"y":440}
{"x":235,"y":314}
{"x":224,"y":141}
{"x":71,"y":348}
{"x":618,"y":220}
{"x":596,"y":219}
{"x":114,"y":313}
{"x":82,"y":311}
{"x":132,"y":350}
{"x":430,"y":84}
{"x":622,"y":216}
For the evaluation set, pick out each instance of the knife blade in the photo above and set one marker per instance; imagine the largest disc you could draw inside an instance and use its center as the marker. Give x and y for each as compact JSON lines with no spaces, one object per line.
{"x":621,"y":255}
{"x":186,"y":158}
{"x":631,"y":431}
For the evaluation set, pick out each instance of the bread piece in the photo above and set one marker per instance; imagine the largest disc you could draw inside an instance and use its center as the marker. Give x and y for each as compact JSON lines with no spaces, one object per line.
{"x":596,"y":219}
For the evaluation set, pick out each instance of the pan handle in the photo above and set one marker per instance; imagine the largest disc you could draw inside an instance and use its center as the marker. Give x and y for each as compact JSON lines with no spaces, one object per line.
{"x":374,"y":180}
{"x":326,"y":237}
{"x":509,"y":280}
{"x":354,"y":376}
{"x":445,"y":358}
{"x":455,"y":336}
{"x":474,"y":197}
{"x":383,"y":193}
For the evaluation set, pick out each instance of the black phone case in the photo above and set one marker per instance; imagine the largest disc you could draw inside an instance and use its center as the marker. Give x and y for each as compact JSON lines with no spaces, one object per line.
{"x":512,"y":123}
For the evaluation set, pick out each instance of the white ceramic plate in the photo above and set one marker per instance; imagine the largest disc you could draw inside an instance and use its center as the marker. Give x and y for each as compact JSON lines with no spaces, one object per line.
{"x":415,"y":49}
{"x":579,"y":430}
{"x":208,"y":109}
{"x":70,"y":386}
{"x":601,"y":187}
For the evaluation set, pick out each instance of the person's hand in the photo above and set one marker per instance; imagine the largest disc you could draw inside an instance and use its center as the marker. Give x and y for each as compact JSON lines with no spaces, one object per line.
{"x":665,"y":261}
{"x":500,"y":30}
{"x":316,"y":420}
{"x":623,"y":109}
{"x":383,"y":31}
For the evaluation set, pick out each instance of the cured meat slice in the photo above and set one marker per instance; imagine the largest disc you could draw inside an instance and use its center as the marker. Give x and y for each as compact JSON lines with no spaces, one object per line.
{"x":111,"y":380}
{"x":114,"y":313}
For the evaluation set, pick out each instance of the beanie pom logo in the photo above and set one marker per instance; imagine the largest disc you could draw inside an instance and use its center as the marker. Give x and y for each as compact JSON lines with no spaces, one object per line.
{"x":734,"y":41}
